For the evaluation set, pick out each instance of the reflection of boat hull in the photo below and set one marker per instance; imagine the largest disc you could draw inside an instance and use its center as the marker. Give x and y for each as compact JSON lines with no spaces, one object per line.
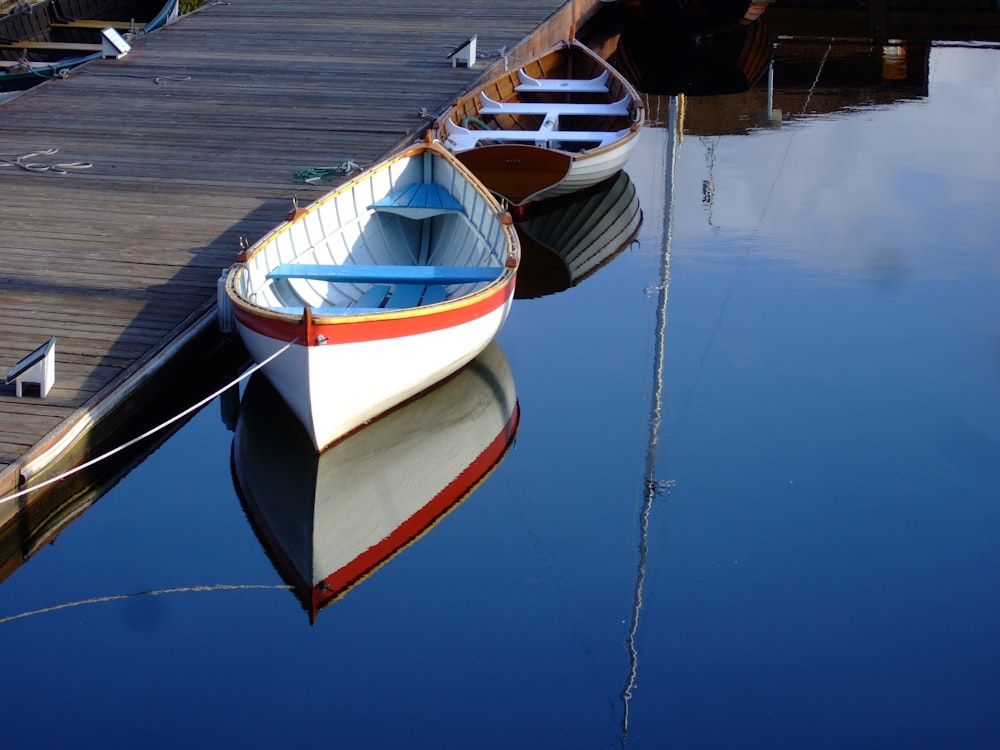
{"x":560,"y":122}
{"x":329,"y":520}
{"x":565,"y":240}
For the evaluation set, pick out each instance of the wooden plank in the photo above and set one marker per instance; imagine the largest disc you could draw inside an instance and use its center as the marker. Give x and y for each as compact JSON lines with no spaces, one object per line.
{"x":404,"y":296}
{"x":22,"y":64}
{"x":67,"y":46}
{"x":92,"y":23}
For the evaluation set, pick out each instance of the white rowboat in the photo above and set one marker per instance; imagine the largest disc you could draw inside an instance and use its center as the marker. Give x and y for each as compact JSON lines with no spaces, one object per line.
{"x":561,"y":122}
{"x":378,"y":290}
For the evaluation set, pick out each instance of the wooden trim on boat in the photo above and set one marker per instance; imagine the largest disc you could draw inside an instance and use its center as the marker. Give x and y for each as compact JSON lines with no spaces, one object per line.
{"x":96,"y":24}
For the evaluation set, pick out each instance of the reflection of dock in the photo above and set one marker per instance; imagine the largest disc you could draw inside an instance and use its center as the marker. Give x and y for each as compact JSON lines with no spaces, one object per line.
{"x":882,"y":20}
{"x":816,"y":76}
{"x":659,"y":60}
{"x":329,"y":520}
{"x":828,"y":56}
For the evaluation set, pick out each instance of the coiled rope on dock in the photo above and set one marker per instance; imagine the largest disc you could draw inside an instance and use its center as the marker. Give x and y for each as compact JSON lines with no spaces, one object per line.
{"x":149,"y":432}
{"x":21,"y":162}
{"x":312,"y":175}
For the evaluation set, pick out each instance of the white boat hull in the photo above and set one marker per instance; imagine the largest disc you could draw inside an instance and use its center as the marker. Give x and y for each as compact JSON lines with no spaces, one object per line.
{"x":587,"y":170}
{"x":335,"y":388}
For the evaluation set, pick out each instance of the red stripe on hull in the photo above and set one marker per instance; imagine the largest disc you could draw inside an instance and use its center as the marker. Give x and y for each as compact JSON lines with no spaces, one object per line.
{"x":346,"y":330}
{"x":337,"y":582}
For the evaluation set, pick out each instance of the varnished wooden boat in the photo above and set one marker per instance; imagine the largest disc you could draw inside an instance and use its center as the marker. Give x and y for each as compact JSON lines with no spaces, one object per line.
{"x":47,"y":39}
{"x":327,"y":521}
{"x":382,"y":287}
{"x":558,"y":123}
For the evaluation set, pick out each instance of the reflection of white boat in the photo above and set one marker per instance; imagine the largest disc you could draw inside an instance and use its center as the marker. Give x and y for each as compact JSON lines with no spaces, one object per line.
{"x":328,"y":520}
{"x":565,"y":240}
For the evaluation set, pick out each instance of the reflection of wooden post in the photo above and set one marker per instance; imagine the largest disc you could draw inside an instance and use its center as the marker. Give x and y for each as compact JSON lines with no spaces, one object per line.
{"x":770,"y":116}
{"x":894,"y":62}
{"x":229,"y":405}
{"x":877,"y":17}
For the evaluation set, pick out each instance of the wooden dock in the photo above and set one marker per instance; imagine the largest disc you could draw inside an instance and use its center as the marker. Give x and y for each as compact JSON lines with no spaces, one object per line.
{"x":128,"y":185}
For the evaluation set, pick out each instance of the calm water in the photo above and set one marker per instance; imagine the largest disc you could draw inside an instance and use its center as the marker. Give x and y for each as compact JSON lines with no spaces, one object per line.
{"x":753,"y":506}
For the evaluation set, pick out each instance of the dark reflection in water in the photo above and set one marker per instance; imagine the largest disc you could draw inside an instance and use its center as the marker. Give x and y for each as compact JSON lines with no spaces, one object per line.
{"x":565,"y":240}
{"x":664,"y":60}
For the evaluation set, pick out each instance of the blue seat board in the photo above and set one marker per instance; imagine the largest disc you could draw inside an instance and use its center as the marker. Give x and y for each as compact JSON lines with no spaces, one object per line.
{"x":432,"y":295}
{"x":420,"y":195}
{"x":386,"y":274}
{"x":374,"y":297}
{"x":403,"y":296}
{"x":377,"y":298}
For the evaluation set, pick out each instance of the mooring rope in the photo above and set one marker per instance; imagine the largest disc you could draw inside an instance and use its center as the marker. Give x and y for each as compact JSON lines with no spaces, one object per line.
{"x":312,"y":175}
{"x":152,"y":592}
{"x":159,"y":80}
{"x":27,"y":166}
{"x":147,"y":433}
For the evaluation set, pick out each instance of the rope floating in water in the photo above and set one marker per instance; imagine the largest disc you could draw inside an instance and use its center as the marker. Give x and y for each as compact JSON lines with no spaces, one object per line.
{"x":147,"y":433}
{"x":152,"y":592}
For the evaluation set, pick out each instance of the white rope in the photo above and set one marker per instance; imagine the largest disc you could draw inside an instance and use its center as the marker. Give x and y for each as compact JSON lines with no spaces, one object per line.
{"x":33,"y":167}
{"x":146,"y":434}
{"x":153,"y":592}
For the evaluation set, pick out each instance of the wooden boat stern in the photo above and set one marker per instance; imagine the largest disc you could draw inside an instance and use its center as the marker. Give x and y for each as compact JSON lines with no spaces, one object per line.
{"x":517,"y":171}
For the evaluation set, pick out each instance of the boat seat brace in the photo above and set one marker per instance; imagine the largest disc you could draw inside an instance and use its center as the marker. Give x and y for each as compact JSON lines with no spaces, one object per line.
{"x":597,"y":85}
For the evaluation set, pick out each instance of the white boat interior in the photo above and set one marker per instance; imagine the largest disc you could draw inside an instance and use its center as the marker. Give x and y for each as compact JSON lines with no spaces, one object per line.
{"x":414,"y":232}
